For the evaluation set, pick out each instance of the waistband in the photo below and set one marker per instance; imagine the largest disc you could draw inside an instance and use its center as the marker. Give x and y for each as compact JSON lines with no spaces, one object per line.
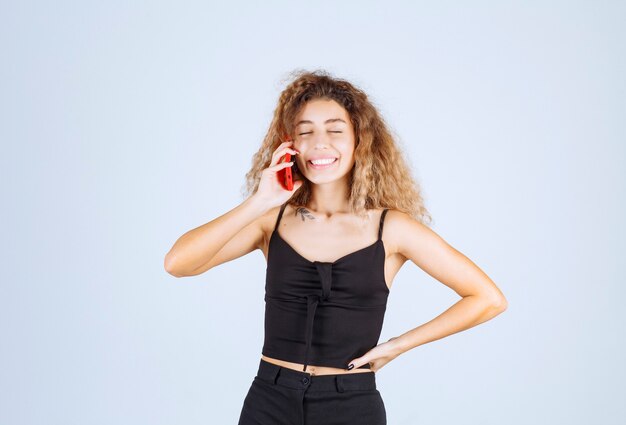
{"x":279,"y":375}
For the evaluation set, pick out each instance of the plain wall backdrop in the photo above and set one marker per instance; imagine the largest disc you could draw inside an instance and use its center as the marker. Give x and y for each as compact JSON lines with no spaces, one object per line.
{"x":125,"y":124}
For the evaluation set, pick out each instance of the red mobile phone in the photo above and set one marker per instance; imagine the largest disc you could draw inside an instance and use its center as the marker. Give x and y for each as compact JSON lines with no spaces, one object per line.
{"x":285,"y":176}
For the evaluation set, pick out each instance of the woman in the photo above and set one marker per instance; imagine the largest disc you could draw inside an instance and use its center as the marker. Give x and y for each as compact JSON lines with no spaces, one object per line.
{"x":327,"y":278}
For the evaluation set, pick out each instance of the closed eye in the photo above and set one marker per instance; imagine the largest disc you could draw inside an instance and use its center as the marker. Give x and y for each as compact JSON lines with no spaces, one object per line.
{"x":300,"y":134}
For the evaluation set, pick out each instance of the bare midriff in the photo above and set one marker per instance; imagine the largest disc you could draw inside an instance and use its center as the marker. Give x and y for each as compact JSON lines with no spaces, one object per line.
{"x":313,"y":369}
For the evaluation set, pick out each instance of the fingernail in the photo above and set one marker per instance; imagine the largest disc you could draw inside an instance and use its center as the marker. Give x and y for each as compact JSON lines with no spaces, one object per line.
{"x":351,"y":366}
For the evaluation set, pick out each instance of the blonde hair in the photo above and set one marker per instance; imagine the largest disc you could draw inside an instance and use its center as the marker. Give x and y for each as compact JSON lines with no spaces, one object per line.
{"x":380,"y":178}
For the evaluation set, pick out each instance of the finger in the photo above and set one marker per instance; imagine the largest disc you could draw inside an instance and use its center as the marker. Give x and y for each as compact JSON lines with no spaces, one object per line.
{"x":280,"y":166}
{"x":280,"y":153}
{"x":358,"y":362}
{"x":285,"y":149}
{"x":283,"y":144}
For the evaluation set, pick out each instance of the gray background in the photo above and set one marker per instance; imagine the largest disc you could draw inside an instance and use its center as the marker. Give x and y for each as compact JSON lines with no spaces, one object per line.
{"x":125,"y":125}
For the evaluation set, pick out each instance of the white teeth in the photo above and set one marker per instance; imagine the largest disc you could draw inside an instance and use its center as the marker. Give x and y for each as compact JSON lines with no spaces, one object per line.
{"x":323,"y":161}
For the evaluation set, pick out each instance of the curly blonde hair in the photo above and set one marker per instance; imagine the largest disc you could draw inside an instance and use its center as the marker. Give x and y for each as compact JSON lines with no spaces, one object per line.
{"x":380,"y":178}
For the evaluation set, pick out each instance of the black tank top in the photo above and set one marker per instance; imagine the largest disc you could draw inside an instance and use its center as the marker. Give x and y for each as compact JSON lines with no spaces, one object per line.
{"x":323,"y":313}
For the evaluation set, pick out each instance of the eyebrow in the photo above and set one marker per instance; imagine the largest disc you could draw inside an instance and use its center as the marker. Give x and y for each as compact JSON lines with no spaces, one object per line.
{"x":325,"y":122}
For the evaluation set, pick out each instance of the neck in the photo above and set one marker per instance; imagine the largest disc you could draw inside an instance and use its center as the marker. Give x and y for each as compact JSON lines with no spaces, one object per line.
{"x":329,"y":198}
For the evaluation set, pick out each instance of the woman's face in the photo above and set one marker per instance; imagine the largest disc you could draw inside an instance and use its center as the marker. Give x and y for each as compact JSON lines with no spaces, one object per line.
{"x":324,"y":130}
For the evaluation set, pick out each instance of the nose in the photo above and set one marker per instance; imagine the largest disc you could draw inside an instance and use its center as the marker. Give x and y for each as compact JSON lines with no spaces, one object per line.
{"x":321,"y":143}
{"x":318,"y":142}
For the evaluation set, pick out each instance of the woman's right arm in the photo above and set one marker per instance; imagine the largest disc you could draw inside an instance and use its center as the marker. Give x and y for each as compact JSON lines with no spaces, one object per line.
{"x":236,"y":233}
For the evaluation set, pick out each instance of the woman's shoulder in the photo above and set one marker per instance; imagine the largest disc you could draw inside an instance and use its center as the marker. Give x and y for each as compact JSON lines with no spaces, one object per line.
{"x":268,"y":219}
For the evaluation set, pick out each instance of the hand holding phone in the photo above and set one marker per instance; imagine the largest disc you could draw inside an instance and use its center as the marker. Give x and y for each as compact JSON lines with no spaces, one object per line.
{"x":277,"y":183}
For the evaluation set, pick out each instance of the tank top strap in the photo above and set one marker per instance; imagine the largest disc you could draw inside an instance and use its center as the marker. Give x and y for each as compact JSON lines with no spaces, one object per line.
{"x":382,"y":220}
{"x":280,"y":214}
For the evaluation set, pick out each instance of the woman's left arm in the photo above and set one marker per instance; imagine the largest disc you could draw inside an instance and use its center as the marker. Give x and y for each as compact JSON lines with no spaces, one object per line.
{"x":481,"y":299}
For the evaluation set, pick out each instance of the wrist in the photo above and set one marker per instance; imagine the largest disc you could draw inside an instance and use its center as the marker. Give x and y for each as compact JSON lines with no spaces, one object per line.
{"x":396,"y":345}
{"x":258,"y":203}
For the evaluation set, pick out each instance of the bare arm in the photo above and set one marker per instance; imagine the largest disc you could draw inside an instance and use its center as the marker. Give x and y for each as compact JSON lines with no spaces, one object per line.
{"x":481,"y":298}
{"x":225,"y":238}
{"x":235,"y":233}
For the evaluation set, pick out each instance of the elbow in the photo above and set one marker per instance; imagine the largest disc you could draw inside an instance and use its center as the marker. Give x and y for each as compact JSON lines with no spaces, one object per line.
{"x":170,"y":267}
{"x":499,"y":304}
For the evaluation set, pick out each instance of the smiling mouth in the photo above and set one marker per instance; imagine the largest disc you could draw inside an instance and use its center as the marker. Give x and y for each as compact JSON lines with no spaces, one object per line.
{"x":321,"y":166}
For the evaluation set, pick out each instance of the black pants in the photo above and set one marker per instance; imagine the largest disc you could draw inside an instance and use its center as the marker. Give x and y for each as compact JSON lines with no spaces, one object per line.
{"x":283,"y":396}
